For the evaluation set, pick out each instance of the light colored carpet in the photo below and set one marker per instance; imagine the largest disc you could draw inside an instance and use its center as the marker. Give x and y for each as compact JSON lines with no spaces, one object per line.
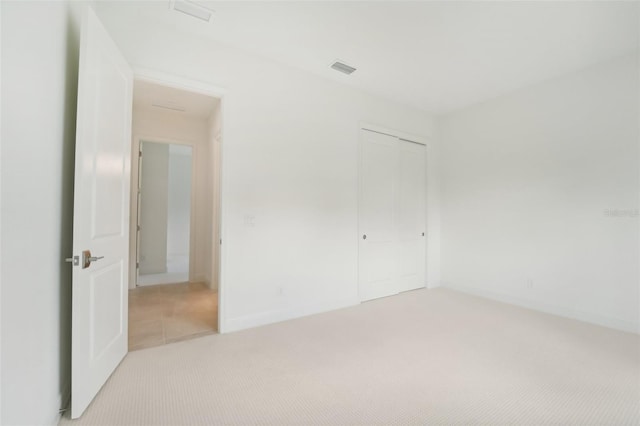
{"x":423,"y":357}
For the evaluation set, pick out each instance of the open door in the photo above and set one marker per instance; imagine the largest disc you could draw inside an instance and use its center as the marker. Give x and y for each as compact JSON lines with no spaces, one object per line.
{"x":101,"y":213}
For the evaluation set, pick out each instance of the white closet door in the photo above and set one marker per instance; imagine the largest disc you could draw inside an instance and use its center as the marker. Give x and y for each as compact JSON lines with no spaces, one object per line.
{"x":411,"y":216}
{"x":392,"y":215}
{"x":377,"y":249}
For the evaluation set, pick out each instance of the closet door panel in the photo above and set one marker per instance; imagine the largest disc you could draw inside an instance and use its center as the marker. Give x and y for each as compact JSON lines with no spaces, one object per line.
{"x":378,"y":202}
{"x":411,"y":216}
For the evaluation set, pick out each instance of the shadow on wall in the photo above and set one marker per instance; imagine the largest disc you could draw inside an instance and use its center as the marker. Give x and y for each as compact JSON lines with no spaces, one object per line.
{"x":66,"y":224}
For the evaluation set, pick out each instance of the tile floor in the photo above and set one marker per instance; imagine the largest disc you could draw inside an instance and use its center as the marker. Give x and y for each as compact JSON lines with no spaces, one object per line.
{"x":168,"y":313}
{"x":177,"y":272}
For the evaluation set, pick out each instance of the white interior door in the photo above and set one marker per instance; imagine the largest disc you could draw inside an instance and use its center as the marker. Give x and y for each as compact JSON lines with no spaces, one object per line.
{"x":411,"y":215}
{"x":378,"y":192}
{"x":392,"y":215}
{"x":101,"y":213}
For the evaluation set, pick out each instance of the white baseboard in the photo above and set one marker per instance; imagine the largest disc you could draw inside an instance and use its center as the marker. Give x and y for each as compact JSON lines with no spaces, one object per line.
{"x":199,"y":279}
{"x":270,"y":317}
{"x":152,"y":268}
{"x":63,"y":400}
{"x":430,"y":286}
{"x":605,"y":321}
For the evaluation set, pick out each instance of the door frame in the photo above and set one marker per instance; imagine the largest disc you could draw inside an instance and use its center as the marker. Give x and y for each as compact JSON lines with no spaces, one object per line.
{"x":409,"y":137}
{"x":218,"y":177}
{"x":135,"y":183}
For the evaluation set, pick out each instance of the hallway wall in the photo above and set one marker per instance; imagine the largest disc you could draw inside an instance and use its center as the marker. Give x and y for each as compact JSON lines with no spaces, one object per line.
{"x":40,"y":45}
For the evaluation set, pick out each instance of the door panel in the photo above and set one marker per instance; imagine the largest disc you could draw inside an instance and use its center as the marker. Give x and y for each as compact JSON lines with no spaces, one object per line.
{"x":411,"y":222}
{"x":377,"y":252}
{"x":105,"y":289}
{"x":378,"y":189}
{"x":101,"y":213}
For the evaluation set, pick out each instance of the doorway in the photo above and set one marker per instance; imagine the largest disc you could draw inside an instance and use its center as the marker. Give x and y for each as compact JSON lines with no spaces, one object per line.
{"x":173,"y":291}
{"x":106,"y":195}
{"x":164,"y":213}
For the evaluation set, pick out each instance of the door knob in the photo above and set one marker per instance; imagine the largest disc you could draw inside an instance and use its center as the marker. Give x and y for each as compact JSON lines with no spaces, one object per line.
{"x":364,"y":237}
{"x":87,"y":259}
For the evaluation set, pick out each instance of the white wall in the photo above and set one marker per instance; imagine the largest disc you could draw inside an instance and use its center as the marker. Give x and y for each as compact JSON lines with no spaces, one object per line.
{"x":540,"y":192}
{"x":39,"y":88}
{"x":154,"y":208}
{"x":289,"y":185}
{"x":1,"y":125}
{"x":155,"y":124}
{"x":179,"y":201}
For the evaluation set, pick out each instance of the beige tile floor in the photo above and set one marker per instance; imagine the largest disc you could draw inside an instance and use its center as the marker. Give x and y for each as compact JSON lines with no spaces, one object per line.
{"x":168,"y":313}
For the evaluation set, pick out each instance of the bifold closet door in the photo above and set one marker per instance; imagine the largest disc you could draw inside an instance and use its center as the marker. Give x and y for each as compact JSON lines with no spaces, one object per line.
{"x":377,"y":266}
{"x":392,"y":215}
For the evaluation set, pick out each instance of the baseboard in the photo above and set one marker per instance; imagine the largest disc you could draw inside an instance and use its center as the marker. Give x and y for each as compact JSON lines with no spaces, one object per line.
{"x":153,"y":268}
{"x":597,"y":319}
{"x":63,"y":400}
{"x":270,"y":317}
{"x":199,"y":279}
{"x":430,"y":286}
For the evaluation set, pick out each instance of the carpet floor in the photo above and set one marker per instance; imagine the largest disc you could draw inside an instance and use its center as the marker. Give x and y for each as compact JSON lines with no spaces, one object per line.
{"x":422,"y":357}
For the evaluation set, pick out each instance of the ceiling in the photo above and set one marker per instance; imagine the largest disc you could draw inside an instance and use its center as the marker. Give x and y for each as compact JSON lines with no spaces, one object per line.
{"x":438,"y":56}
{"x":150,"y":95}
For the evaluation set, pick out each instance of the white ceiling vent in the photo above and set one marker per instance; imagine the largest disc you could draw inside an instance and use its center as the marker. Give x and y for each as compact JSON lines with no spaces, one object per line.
{"x":342,"y":67}
{"x":193,"y":9}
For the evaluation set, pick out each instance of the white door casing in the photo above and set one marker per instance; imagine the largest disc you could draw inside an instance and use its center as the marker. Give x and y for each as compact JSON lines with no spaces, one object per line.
{"x":101,"y":213}
{"x":391,"y":215}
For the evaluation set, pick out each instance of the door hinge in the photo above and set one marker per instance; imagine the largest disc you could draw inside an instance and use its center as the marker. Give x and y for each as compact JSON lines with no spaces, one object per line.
{"x":140,"y":153}
{"x":137,"y":265}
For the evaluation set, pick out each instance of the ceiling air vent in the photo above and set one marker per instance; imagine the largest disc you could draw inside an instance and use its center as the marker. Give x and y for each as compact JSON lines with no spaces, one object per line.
{"x":343,"y":68}
{"x":193,"y":9}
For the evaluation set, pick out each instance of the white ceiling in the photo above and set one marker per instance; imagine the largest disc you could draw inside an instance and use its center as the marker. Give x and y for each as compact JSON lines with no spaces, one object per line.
{"x":437,"y":56}
{"x":150,"y":95}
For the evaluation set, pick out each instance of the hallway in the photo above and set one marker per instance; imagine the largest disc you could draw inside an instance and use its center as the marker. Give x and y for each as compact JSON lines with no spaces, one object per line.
{"x":169,"y":313}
